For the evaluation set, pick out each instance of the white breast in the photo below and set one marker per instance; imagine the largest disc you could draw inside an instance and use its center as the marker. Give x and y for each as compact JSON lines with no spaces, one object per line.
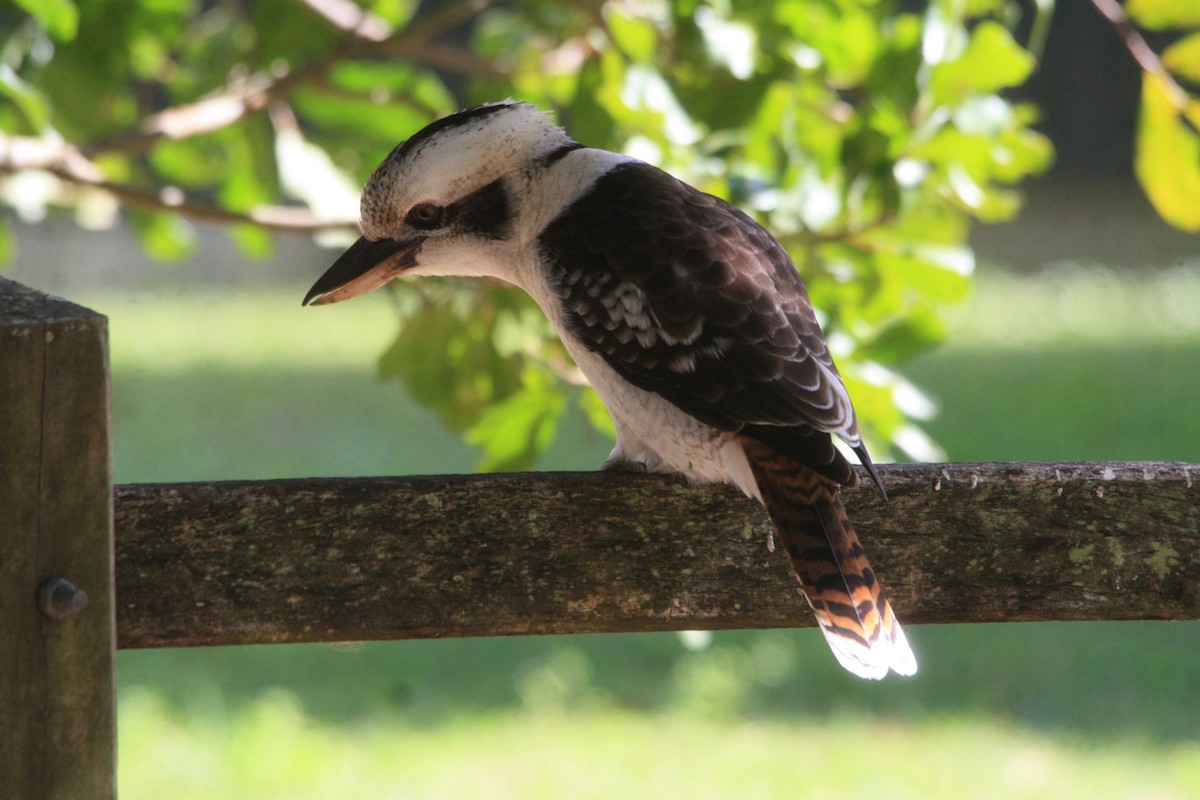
{"x":652,"y":431}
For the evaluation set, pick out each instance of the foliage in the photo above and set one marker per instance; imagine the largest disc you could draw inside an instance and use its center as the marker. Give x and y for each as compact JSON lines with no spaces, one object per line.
{"x":1167,"y":161}
{"x":868,"y":137}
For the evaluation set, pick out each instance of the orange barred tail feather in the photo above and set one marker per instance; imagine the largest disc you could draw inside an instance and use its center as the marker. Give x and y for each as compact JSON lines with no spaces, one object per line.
{"x":848,"y":601}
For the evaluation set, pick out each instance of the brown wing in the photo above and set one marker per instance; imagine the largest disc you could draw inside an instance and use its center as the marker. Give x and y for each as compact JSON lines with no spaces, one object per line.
{"x":687,"y":297}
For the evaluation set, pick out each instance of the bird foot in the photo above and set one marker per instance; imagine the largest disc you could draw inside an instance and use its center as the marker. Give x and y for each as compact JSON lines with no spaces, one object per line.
{"x":613,"y":464}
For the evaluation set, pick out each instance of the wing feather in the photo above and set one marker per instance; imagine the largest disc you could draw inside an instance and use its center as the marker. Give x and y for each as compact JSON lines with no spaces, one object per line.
{"x":686,"y":296}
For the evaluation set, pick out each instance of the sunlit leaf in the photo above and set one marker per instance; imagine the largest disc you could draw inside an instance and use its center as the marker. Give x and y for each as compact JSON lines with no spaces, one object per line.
{"x":1183,"y":58}
{"x":253,"y":176}
{"x":1021,"y":152}
{"x":446,"y":356}
{"x":377,"y":80}
{"x":1164,"y":14}
{"x":26,"y":97}
{"x":360,"y":119}
{"x":397,"y":12}
{"x":905,"y":337}
{"x":193,"y":162}
{"x":991,"y":61}
{"x":636,"y":36}
{"x":1168,"y":156}
{"x":514,"y":431}
{"x":983,"y":8}
{"x":149,"y":57}
{"x":60,"y":18}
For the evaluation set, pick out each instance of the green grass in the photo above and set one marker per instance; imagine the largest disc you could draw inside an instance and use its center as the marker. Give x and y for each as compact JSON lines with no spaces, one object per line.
{"x":220,"y":386}
{"x":1069,"y":366}
{"x":272,"y":749}
{"x":1063,"y":402}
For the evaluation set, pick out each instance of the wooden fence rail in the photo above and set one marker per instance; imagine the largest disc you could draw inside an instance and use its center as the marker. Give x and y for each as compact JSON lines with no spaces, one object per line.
{"x":394,"y":558}
{"x":400,"y":558}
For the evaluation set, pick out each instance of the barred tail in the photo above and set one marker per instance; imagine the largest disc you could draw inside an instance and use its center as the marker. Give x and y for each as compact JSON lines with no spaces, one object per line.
{"x":849,"y":603}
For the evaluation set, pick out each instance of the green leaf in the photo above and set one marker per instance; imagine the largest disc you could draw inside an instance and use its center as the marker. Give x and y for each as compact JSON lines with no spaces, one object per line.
{"x":1167,"y":161}
{"x":514,"y":432}
{"x":905,"y":338}
{"x":636,"y":36}
{"x":165,"y":237}
{"x":1183,"y":58}
{"x":251,"y":157}
{"x":381,"y":81}
{"x":60,"y":18}
{"x":445,"y":352}
{"x":194,"y":162}
{"x":992,"y":61}
{"x":282,"y":30}
{"x":359,"y":119}
{"x":1164,"y":14}
{"x":844,"y":36}
{"x":397,"y":12}
{"x":8,"y":242}
{"x":27,"y":98}
{"x":1021,"y":152}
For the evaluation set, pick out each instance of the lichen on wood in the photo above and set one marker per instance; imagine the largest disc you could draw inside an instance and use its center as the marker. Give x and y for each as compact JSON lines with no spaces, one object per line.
{"x":419,"y":557}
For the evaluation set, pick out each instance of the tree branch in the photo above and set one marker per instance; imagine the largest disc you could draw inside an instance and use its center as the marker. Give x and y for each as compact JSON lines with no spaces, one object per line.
{"x":350,"y":18}
{"x":66,"y":163}
{"x":1140,"y":50}
{"x":364,"y":38}
{"x":282,"y":219}
{"x":396,"y":558}
{"x":365,"y":35}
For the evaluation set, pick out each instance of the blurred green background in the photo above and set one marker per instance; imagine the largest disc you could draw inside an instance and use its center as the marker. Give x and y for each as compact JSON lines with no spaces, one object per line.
{"x":1067,"y":363}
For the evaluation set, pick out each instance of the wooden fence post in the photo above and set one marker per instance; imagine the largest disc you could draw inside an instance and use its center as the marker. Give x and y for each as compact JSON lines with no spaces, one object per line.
{"x":57,"y":722}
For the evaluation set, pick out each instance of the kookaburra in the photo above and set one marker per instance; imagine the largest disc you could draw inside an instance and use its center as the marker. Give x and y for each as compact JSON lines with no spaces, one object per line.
{"x":687,"y":317}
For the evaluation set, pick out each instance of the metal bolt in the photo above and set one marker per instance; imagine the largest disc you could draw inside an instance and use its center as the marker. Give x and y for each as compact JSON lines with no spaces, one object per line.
{"x":59,"y":598}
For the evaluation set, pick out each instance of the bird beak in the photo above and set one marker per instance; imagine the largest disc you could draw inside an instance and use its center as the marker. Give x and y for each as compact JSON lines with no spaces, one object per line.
{"x":365,"y":266}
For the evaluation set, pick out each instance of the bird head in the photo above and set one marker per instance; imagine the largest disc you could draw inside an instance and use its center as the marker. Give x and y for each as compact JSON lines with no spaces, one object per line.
{"x":441,"y":199}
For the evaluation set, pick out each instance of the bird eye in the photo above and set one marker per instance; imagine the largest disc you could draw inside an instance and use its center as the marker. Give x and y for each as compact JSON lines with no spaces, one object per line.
{"x":425,"y":216}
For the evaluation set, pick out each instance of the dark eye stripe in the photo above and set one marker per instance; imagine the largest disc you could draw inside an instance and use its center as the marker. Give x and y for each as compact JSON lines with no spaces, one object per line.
{"x":485,"y":212}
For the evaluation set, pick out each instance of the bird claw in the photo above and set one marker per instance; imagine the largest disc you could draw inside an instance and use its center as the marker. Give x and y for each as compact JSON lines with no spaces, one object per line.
{"x":623,"y":465}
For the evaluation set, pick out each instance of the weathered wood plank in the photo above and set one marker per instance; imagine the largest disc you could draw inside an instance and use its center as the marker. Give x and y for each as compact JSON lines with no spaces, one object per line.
{"x":56,"y":674}
{"x":396,"y":558}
